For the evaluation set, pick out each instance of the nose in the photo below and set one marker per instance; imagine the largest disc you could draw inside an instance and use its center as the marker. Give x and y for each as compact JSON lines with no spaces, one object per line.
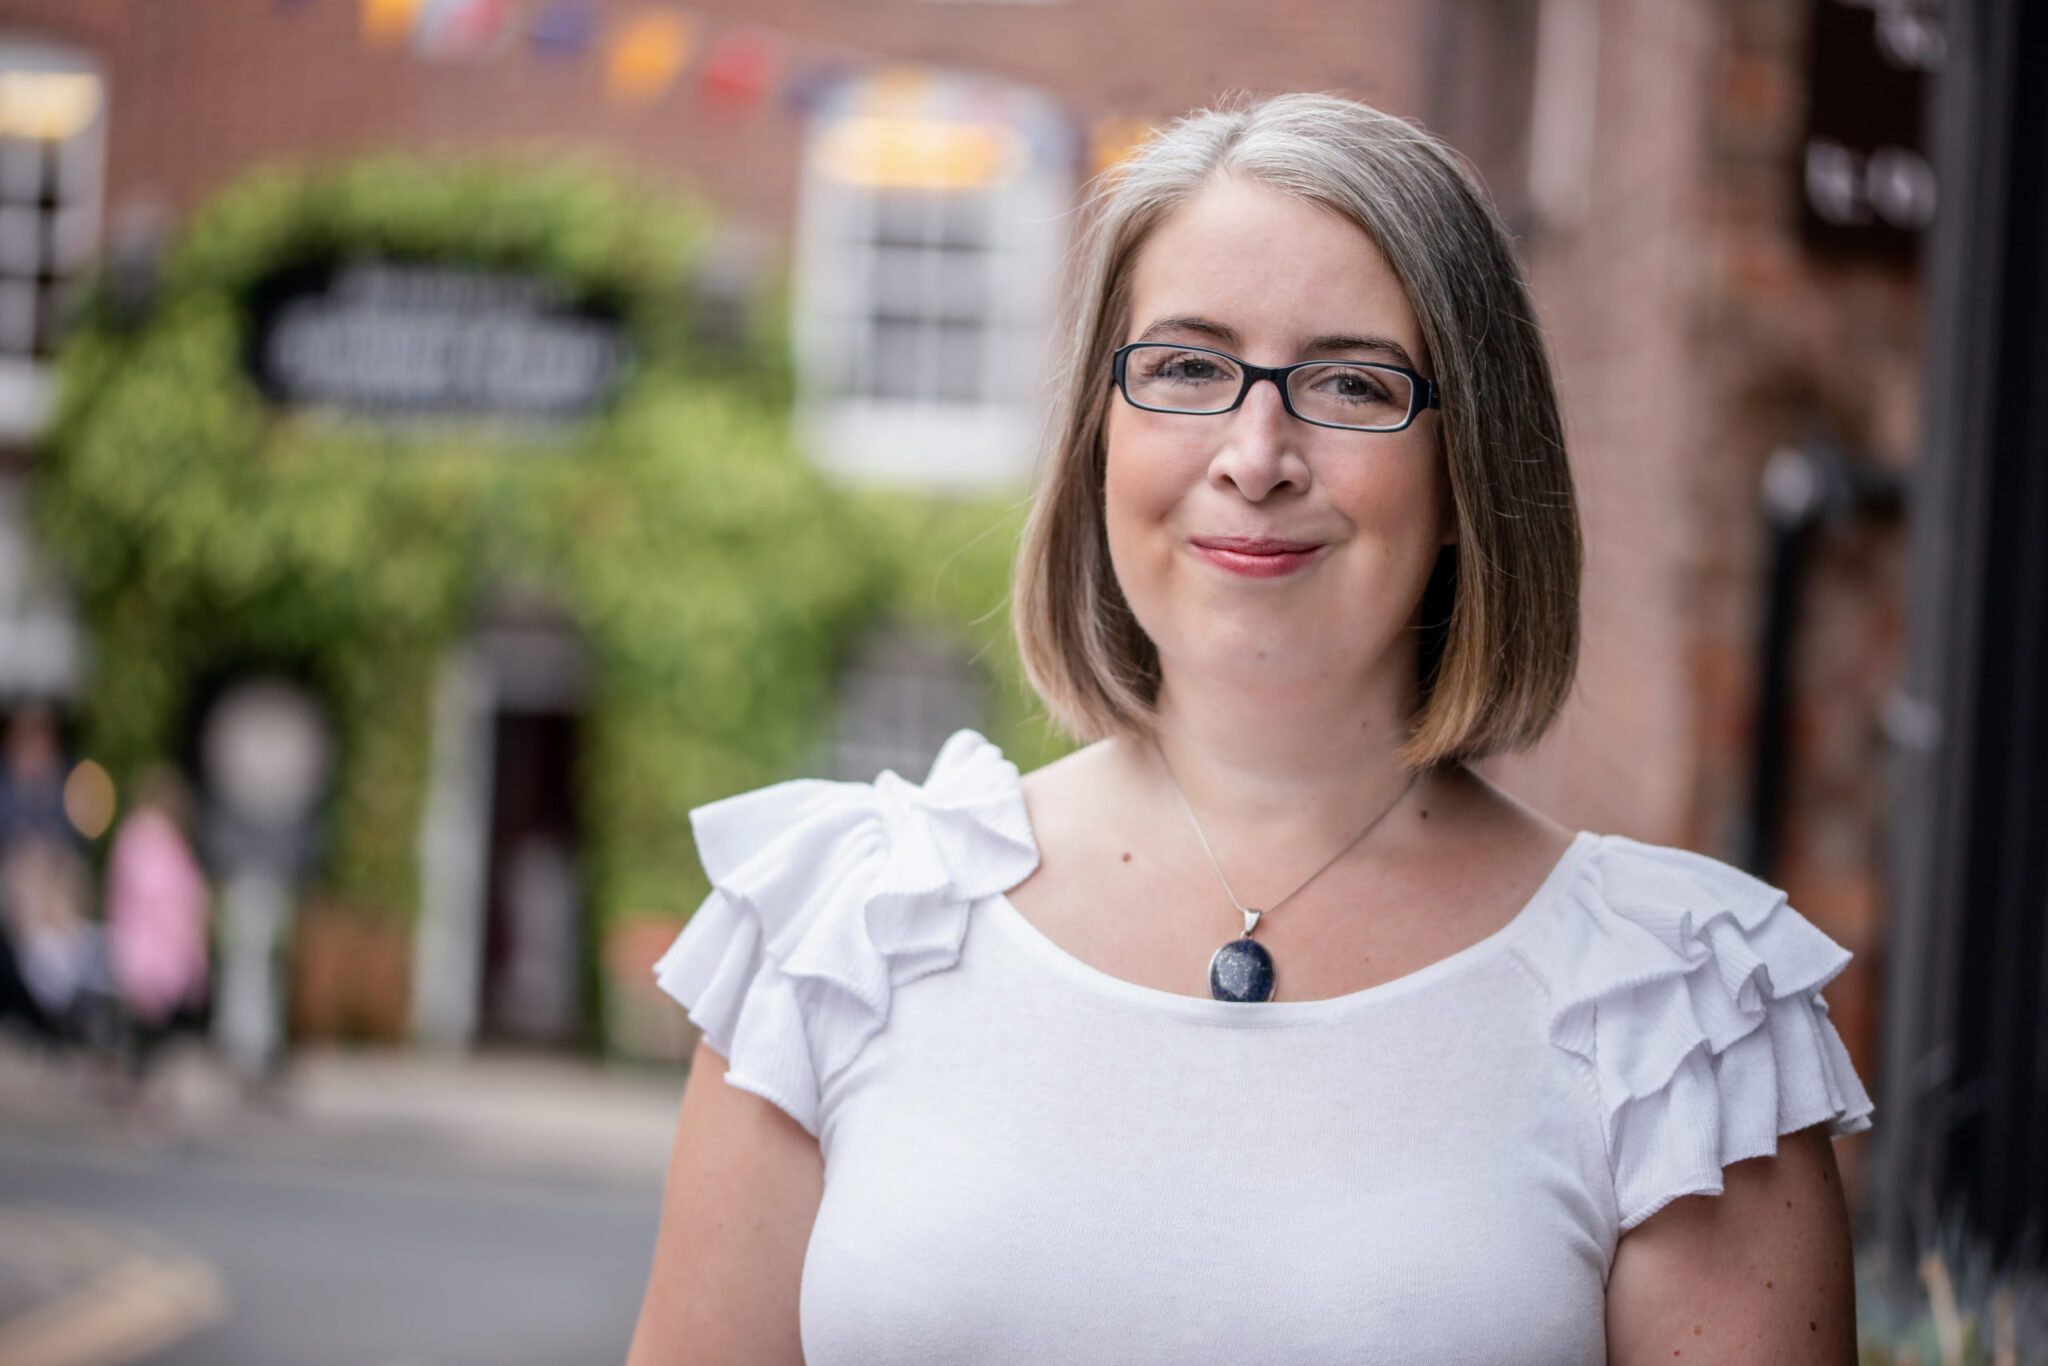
{"x":1261,"y":451}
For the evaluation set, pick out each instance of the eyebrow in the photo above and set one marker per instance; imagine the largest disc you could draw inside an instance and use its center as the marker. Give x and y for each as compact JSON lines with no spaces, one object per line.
{"x":1336,"y":341}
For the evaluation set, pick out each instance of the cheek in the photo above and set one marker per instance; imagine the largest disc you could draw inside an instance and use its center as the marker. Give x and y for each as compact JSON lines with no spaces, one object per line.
{"x":1398,"y":493}
{"x":1143,"y":481}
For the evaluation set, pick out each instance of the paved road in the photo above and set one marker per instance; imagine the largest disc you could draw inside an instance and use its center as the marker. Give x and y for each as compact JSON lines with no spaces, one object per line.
{"x":204,"y":1253}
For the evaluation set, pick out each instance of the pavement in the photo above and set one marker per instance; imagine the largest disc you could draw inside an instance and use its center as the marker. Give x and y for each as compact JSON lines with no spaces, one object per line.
{"x":525,"y":1112}
{"x":84,"y":1287}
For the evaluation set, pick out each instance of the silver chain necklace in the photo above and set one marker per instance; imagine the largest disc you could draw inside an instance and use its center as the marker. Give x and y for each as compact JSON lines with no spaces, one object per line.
{"x":1242,"y":970}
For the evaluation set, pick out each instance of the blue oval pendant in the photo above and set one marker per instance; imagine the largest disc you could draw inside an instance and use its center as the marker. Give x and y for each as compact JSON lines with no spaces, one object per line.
{"x":1242,"y":970}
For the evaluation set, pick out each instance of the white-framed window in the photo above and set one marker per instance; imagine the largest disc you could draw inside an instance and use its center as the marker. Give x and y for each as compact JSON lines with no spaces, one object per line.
{"x":53,"y":121}
{"x":932,"y":222}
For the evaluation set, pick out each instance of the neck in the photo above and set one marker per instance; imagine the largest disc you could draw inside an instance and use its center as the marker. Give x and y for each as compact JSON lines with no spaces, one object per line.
{"x":1287,"y":774}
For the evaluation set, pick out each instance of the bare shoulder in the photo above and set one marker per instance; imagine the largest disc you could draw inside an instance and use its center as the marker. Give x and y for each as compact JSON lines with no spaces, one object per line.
{"x":1068,"y":772}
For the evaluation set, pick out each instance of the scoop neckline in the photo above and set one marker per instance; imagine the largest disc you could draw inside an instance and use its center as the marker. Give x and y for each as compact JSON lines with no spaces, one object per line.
{"x":1263,"y":1014}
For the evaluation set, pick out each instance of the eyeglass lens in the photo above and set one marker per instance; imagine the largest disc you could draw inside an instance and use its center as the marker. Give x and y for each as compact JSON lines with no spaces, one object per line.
{"x":1338,"y":392}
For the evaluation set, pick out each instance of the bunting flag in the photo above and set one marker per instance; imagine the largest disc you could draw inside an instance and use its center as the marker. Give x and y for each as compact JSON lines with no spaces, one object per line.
{"x":813,"y":84}
{"x":463,"y":30}
{"x":738,"y":71}
{"x":563,"y":29}
{"x":647,"y":54}
{"x":646,"y":50}
{"x":388,"y":22}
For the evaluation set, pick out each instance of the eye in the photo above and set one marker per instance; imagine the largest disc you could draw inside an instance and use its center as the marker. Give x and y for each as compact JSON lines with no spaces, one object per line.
{"x":1359,"y":384}
{"x":1188,"y":368}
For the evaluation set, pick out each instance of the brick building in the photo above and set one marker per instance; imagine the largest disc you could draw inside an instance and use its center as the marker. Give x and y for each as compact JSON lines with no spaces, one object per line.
{"x":1647,"y":152}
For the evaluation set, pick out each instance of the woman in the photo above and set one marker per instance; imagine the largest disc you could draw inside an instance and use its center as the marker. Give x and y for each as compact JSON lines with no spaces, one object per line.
{"x":159,"y":914}
{"x":1262,"y":1028}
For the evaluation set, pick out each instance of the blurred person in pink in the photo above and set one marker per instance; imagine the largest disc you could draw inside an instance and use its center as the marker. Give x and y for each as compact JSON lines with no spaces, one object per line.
{"x":159,"y":914}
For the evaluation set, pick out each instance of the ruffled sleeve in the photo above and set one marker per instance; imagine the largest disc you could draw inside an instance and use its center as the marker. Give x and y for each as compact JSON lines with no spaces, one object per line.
{"x":827,"y":896}
{"x":1693,"y":991}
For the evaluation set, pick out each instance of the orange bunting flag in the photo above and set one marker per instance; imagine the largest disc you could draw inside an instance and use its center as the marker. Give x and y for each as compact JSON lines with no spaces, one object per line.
{"x":648,"y":52}
{"x":387,"y":22}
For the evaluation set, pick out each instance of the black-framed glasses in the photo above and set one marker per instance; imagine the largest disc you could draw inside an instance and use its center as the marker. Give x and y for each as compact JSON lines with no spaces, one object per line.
{"x":1358,"y":396}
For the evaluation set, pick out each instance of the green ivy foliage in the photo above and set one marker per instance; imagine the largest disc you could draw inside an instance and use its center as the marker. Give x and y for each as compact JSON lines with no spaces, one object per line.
{"x":718,"y":581}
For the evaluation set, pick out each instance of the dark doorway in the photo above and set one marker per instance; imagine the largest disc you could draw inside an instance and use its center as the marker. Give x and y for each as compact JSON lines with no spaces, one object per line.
{"x":535,"y":937}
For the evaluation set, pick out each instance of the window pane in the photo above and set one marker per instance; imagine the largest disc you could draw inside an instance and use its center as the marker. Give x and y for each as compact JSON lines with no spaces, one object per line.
{"x":902,"y":218}
{"x":77,"y":169}
{"x":1019,"y":363}
{"x":21,"y":170}
{"x":962,"y":285}
{"x":17,"y":316}
{"x":960,"y":361}
{"x":21,"y":231}
{"x":898,"y":280}
{"x":962,"y":220}
{"x":896,"y":359}
{"x":71,"y":238}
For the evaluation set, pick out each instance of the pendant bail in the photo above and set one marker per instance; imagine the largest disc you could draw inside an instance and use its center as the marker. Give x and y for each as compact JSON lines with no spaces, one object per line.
{"x":1251,"y":920}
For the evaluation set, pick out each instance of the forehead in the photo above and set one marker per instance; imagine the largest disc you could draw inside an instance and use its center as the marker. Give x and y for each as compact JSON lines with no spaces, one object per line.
{"x":1275,"y":269}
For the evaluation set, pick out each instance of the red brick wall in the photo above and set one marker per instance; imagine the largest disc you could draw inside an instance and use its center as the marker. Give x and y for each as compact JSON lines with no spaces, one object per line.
{"x":1618,"y":293}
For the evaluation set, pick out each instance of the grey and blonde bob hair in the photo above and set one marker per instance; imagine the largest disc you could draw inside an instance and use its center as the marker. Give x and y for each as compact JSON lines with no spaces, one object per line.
{"x":1500,"y":615}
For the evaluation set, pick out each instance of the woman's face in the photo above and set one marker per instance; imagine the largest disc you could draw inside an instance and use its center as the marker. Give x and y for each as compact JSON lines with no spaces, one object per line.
{"x":1273,"y":280}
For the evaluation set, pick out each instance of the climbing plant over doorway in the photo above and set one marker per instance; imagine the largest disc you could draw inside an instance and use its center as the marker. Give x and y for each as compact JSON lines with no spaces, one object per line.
{"x":206,"y":525}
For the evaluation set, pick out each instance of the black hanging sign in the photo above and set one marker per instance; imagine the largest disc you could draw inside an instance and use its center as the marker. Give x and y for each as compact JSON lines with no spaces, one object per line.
{"x":406,"y":338}
{"x":1867,"y":188}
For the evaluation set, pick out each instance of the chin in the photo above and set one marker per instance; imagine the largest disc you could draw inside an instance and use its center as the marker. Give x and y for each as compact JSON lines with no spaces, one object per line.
{"x":1256,"y":653}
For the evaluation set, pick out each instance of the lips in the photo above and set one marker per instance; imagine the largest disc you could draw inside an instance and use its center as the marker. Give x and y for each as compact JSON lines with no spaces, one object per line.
{"x":1255,"y":545}
{"x":1256,"y":557}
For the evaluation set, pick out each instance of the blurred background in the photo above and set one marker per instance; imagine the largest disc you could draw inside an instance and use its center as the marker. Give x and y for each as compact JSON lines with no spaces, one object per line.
{"x":444,"y":441}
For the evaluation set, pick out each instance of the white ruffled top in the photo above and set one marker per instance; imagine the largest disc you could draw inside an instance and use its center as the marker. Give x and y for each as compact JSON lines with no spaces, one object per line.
{"x":990,"y":1106}
{"x":828,"y":896}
